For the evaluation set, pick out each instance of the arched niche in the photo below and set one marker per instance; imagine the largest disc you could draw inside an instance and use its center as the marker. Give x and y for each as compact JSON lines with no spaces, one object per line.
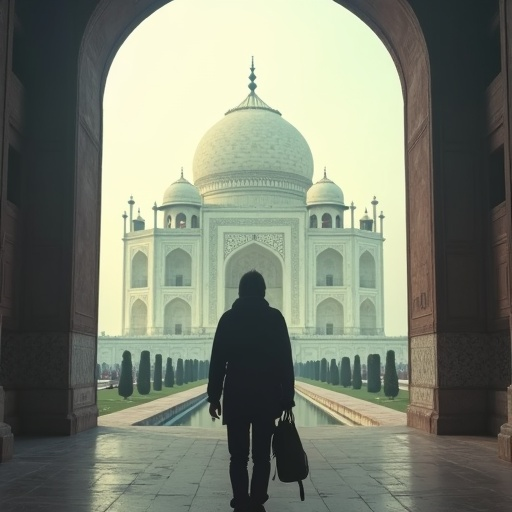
{"x":139,"y":270}
{"x":329,"y":268}
{"x":367,"y":318}
{"x":177,"y":317}
{"x":138,"y":318}
{"x":178,"y":268}
{"x":255,"y":257}
{"x":366,"y":270}
{"x":330,"y":318}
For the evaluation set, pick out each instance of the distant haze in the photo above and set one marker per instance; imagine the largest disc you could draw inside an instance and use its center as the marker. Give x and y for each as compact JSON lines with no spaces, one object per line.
{"x":320,"y":66}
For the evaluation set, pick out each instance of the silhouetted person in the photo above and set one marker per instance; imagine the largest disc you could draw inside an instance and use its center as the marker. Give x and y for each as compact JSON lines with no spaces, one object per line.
{"x":252,"y":359}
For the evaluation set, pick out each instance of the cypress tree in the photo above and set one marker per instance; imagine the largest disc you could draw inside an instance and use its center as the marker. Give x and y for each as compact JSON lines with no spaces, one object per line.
{"x":317,"y":370}
{"x":187,"y":374}
{"x":157,"y":379}
{"x":390,"y":376}
{"x":335,"y":374}
{"x":144,"y":377}
{"x":195,"y":371}
{"x":323,"y":370}
{"x":346,"y":372}
{"x":125,"y":388}
{"x":98,"y":371}
{"x":179,"y":372}
{"x":169,"y":374}
{"x":357,"y":381}
{"x":374,"y":384}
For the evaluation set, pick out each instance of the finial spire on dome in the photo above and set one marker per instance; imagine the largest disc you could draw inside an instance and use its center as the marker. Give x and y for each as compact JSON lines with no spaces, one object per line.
{"x":252,"y":76}
{"x":182,"y":172}
{"x":325,"y":171}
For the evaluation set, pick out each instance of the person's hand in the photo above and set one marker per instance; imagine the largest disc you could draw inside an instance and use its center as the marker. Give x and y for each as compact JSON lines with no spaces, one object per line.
{"x":215,"y":411}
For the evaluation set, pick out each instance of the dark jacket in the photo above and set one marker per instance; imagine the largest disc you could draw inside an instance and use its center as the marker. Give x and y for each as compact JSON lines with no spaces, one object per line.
{"x":252,"y":360}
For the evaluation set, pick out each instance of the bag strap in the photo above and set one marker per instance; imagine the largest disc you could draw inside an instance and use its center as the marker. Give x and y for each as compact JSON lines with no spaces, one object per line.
{"x":301,"y":490}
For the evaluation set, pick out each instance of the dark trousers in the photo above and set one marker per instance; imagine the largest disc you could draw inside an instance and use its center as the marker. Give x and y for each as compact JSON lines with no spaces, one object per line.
{"x":238,"y":445}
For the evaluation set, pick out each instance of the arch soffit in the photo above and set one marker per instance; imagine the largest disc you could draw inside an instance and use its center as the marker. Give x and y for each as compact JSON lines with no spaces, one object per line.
{"x":327,"y":300}
{"x":321,"y":253}
{"x":177,"y":301}
{"x":394,"y":23}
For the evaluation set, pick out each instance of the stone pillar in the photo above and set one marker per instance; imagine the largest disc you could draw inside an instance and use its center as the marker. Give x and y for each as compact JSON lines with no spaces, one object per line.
{"x":505,"y":435}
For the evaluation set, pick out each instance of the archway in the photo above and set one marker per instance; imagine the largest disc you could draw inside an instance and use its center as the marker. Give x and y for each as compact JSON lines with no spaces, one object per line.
{"x":254,"y":256}
{"x":446,"y":310}
{"x":389,"y":22}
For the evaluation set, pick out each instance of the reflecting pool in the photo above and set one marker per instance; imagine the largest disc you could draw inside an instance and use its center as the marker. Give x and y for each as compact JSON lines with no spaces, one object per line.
{"x":306,"y":415}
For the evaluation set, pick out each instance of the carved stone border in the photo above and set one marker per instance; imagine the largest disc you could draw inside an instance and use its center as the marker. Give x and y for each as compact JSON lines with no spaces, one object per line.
{"x":214,"y":225}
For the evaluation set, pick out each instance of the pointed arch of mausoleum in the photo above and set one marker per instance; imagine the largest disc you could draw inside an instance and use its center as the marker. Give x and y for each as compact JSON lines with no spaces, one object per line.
{"x":178,"y":268}
{"x":177,"y":317}
{"x":367,"y":318}
{"x":367,"y":270}
{"x":329,"y":268}
{"x":138,"y":318}
{"x":330,"y":318}
{"x":139,"y":270}
{"x":267,"y":262}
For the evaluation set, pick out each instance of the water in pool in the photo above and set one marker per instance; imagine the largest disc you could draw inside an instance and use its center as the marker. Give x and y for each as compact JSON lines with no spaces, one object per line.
{"x":306,"y":415}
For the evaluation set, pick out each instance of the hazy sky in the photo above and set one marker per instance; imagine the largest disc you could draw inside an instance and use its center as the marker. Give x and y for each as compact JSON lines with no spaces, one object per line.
{"x":320,"y":66}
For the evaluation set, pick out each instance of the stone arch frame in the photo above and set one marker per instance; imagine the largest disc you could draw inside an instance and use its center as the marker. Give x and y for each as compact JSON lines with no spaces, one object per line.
{"x":229,"y":298}
{"x":313,"y":221}
{"x":397,"y":25}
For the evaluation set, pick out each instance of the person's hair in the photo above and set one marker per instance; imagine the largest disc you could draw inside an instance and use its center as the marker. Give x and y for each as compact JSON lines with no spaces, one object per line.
{"x":252,"y":284}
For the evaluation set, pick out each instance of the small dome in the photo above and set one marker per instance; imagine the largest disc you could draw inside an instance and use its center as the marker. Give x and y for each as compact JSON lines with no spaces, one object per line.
{"x":181,"y":192}
{"x":325,"y":192}
{"x":365,"y":216}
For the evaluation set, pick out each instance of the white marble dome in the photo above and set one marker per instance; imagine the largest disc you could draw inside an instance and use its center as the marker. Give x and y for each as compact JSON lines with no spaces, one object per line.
{"x":325,"y":192}
{"x":251,"y":151}
{"x":181,"y":192}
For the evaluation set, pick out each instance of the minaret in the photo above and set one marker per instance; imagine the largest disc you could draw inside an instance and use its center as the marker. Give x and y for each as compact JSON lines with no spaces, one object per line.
{"x":131,"y":202}
{"x":352,"y":208}
{"x":124,"y":222}
{"x":155,"y":209}
{"x":381,"y":217}
{"x":374,"y":204}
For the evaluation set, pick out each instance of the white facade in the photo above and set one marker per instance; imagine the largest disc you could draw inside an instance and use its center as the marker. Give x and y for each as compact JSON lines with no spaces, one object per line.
{"x":253,"y":206}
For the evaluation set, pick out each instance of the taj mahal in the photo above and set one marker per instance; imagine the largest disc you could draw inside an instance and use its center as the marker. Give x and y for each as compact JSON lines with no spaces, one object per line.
{"x":252,"y":205}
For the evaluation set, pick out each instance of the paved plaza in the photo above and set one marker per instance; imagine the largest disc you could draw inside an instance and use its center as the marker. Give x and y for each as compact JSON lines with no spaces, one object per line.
{"x":120,"y":468}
